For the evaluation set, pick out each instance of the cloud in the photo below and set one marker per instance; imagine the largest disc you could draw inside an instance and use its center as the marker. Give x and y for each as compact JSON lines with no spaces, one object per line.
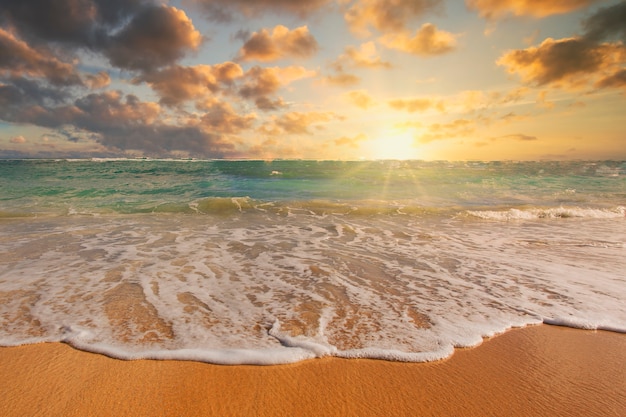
{"x":108,"y":110}
{"x":568,"y":63}
{"x":417,"y":104}
{"x":132,"y":34}
{"x":280,"y":43}
{"x":224,"y":10}
{"x":299,"y":123}
{"x":365,"y":56}
{"x":268,"y":104}
{"x":296,"y":123}
{"x":578,"y":61}
{"x":428,"y":41}
{"x":512,"y":117}
{"x":262,"y":82}
{"x":387,"y":15}
{"x":542,"y":100}
{"x":342,"y":79}
{"x":124,"y":123}
{"x":494,"y":9}
{"x":18,"y":59}
{"x":155,"y":37}
{"x":66,"y":21}
{"x":607,"y":23}
{"x":443,"y":131}
{"x":18,"y":139}
{"x":99,"y":80}
{"x":176,"y":84}
{"x":352,"y":142}
{"x":360,"y":98}
{"x":23,"y":94}
{"x":516,"y":136}
{"x":220,"y":117}
{"x":615,"y":80}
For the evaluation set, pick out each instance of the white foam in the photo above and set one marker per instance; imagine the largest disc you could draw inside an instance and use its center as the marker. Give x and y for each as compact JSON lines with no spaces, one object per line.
{"x":265,"y":289}
{"x":549,"y":213}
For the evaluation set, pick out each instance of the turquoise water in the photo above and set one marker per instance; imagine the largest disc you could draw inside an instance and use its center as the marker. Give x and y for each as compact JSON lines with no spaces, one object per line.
{"x":142,"y":186}
{"x":273,"y":262}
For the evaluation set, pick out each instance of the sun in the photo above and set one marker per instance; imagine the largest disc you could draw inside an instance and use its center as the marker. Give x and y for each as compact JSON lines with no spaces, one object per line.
{"x":394,"y":144}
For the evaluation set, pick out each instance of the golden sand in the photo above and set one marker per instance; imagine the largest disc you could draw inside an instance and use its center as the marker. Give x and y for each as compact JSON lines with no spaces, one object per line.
{"x":536,"y":371}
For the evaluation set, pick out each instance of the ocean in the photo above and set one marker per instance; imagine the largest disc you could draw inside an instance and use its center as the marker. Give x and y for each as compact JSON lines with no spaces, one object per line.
{"x":270,"y":262}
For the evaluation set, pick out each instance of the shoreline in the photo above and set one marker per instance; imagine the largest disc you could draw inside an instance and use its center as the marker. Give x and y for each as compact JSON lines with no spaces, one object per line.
{"x":533,"y":371}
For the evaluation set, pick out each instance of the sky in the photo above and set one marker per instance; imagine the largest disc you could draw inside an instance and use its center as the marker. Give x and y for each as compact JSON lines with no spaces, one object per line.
{"x":313,"y":79}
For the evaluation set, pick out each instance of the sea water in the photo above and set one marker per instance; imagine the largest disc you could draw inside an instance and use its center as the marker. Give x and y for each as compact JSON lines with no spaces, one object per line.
{"x":267,"y":262}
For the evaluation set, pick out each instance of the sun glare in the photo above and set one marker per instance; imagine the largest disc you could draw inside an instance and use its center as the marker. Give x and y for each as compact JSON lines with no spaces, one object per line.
{"x":394,"y":144}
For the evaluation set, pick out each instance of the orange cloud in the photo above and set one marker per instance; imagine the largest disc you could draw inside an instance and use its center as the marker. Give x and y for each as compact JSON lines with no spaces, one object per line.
{"x":267,"y":104}
{"x":296,"y":123}
{"x":352,"y":142}
{"x":360,"y":98}
{"x":568,"y":63}
{"x":280,"y":43}
{"x":615,"y":80}
{"x":456,"y":128}
{"x":342,"y":79}
{"x":493,"y":9}
{"x":428,"y":41}
{"x":220,"y":117}
{"x":417,"y":104}
{"x":262,"y":82}
{"x":177,"y":84}
{"x":365,"y":56}
{"x":17,"y":58}
{"x":99,"y":80}
{"x":386,"y":15}
{"x":516,"y":136}
{"x":18,"y":139}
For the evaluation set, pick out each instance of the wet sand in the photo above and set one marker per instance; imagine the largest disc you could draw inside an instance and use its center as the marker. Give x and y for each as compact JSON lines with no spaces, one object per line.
{"x":536,"y":371}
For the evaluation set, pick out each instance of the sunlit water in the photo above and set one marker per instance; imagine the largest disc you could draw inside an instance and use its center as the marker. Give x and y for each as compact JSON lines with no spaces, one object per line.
{"x":275,"y":262}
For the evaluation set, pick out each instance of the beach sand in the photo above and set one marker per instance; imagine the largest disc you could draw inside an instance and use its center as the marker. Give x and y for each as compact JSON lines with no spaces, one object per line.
{"x":536,"y":371}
